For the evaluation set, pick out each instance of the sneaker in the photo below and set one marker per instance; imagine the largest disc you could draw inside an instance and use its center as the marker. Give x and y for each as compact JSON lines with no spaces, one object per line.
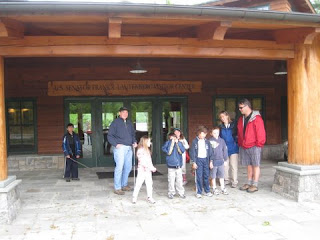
{"x":224,"y":191}
{"x":68,"y":180}
{"x":208,"y":194}
{"x":198,"y":195}
{"x":245,"y":187}
{"x":75,"y":179}
{"x":126,"y":189}
{"x":182,"y":196}
{"x":226,"y":182}
{"x":184,"y":182}
{"x":234,"y":185}
{"x":216,"y":191}
{"x":252,"y":189}
{"x":119,"y":192}
{"x":170,"y":196}
{"x":134,"y":200}
{"x":151,"y":200}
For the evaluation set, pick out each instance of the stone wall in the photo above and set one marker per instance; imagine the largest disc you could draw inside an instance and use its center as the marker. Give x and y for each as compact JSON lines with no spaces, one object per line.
{"x":35,"y":162}
{"x":273,"y":152}
{"x":40,"y":162}
{"x":9,"y":201}
{"x":297,"y":182}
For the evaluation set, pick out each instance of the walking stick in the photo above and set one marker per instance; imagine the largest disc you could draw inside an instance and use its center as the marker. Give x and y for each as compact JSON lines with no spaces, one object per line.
{"x":134,"y":166}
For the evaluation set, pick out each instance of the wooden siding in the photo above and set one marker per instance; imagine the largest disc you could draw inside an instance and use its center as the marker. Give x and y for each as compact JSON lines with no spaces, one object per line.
{"x":28,"y":77}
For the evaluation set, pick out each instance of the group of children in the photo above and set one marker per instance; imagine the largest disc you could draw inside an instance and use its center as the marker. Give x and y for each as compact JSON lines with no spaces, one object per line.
{"x":206,"y":155}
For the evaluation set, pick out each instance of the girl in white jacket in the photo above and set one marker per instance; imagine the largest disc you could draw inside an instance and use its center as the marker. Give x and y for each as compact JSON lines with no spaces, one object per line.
{"x":145,"y":169}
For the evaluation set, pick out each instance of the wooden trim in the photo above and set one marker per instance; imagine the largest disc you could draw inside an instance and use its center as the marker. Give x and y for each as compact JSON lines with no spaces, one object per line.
{"x":245,"y":91}
{"x":213,"y":30}
{"x":296,"y":35}
{"x":310,"y":37}
{"x":3,"y":136}
{"x":114,"y":29}
{"x":37,"y":41}
{"x":144,"y":47}
{"x":11,"y":28}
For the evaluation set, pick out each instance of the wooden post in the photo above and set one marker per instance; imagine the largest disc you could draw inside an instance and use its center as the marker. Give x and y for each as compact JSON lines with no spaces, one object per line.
{"x":3,"y":136}
{"x":303,"y":104}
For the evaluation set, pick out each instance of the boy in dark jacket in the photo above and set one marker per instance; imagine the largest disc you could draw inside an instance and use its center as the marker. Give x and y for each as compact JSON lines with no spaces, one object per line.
{"x":174,"y":150}
{"x":72,"y":149}
{"x":201,"y":154}
{"x":220,"y":157}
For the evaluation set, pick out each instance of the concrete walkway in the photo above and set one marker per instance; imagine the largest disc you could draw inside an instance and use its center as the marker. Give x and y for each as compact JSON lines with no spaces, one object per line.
{"x":55,"y":209}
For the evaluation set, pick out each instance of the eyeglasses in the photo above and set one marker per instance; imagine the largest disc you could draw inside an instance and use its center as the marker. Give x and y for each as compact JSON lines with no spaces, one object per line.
{"x":240,"y":108}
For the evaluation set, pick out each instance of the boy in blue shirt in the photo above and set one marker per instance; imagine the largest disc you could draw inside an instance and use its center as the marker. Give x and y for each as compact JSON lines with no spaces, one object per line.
{"x":174,"y":150}
{"x":220,"y":156}
{"x":201,"y":154}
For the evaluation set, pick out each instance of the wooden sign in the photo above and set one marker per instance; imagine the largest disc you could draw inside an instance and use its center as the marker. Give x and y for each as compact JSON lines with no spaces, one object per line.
{"x":122,"y":88}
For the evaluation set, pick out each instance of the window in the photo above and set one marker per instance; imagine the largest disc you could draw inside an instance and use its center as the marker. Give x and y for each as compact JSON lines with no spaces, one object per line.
{"x":21,"y":125}
{"x":230,"y":104}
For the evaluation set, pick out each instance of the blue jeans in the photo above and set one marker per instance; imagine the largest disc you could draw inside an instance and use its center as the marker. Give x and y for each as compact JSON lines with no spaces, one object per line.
{"x":123,"y":159}
{"x":202,"y":175}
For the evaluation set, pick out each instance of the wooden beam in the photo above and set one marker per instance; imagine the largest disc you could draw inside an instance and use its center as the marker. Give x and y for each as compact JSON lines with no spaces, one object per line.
{"x":146,"y":51}
{"x":11,"y":28}
{"x":310,"y":37}
{"x":3,"y":136}
{"x":114,"y":29}
{"x":304,"y":90}
{"x":33,"y":41}
{"x":221,"y":30}
{"x":213,"y":30}
{"x":296,"y":35}
{"x":144,"y":47}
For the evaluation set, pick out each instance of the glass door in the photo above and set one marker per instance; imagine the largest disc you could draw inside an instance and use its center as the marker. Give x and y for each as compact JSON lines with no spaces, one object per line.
{"x":141,"y":117}
{"x":152,"y":116}
{"x":173,"y":114}
{"x":80,"y":114}
{"x":109,"y":112}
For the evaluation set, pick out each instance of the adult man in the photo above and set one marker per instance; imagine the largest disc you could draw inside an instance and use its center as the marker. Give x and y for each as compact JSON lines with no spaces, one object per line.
{"x":251,"y":138}
{"x":121,"y":136}
{"x":72,"y":149}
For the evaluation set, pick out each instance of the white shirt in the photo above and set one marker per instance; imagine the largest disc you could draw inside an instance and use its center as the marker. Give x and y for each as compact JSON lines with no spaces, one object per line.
{"x":202,"y":151}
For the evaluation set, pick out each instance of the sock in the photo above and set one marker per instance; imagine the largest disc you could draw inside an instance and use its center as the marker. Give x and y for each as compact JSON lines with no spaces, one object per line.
{"x":214,"y":184}
{"x":222,"y":183}
{"x":250,"y":181}
{"x":255,"y":184}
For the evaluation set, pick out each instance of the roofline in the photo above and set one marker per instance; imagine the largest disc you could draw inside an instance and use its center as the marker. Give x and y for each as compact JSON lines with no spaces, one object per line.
{"x":11,"y":7}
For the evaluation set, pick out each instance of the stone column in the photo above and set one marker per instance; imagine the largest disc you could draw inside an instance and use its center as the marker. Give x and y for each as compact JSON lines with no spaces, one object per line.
{"x":9,"y":191}
{"x":299,"y":179}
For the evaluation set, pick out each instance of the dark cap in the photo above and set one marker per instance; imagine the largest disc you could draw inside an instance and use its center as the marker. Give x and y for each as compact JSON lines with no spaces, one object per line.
{"x":176,"y":129}
{"x":123,"y":109}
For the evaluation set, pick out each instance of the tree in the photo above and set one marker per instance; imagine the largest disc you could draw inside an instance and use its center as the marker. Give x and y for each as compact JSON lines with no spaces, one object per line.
{"x":316,"y":5}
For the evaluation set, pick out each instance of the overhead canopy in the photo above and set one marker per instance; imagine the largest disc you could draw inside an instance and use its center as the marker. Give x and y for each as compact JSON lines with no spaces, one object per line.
{"x":102,"y":29}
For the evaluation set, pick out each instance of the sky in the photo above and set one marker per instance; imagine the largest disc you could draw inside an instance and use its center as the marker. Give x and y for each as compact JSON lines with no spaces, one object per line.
{"x":177,"y":2}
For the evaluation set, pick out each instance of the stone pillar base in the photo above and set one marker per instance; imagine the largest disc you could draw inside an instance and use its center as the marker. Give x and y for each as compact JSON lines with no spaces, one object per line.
{"x":298,"y":182}
{"x":9,"y":199}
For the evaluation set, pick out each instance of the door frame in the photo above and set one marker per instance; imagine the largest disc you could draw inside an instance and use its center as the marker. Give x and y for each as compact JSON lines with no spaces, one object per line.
{"x":98,"y":159}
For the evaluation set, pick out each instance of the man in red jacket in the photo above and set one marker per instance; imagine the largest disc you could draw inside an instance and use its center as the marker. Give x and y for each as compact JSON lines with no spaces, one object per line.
{"x":251,"y":138}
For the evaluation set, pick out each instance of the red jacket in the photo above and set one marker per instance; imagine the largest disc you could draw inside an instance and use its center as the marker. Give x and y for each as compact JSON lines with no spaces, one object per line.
{"x":255,"y":132}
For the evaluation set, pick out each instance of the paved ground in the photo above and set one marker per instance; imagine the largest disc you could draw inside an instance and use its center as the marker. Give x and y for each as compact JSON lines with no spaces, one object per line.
{"x":54,"y":209}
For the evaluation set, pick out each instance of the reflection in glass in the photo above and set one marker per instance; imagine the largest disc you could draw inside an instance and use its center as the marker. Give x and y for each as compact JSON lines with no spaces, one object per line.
{"x":21,"y":125}
{"x":80,"y":116}
{"x":141,"y":117}
{"x":110,"y":112}
{"x":171,"y":118}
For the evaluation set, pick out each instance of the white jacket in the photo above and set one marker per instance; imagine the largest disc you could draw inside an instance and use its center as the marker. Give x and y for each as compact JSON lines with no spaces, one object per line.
{"x":144,"y":160}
